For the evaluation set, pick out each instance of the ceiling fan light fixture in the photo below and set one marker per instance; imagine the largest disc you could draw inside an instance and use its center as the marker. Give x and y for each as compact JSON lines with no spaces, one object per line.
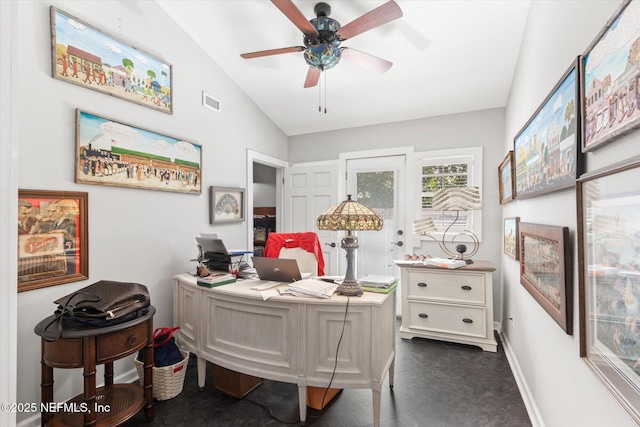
{"x":322,"y":56}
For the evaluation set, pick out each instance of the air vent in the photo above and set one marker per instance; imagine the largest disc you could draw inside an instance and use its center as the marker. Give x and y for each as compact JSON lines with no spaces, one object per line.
{"x":210,"y":102}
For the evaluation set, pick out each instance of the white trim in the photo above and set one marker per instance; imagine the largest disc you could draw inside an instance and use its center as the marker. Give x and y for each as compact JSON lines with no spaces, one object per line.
{"x":279,"y":164}
{"x":414,"y":187}
{"x":9,"y":103}
{"x":527,"y":396}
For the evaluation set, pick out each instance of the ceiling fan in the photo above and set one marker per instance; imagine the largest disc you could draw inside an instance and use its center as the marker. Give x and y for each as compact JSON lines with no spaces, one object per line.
{"x":323,"y":35}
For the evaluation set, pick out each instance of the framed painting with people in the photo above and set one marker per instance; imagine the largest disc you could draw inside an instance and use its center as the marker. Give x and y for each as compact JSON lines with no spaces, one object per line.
{"x":52,"y":238}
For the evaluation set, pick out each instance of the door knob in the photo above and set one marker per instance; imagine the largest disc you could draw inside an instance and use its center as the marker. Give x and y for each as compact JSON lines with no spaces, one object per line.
{"x":399,"y":243}
{"x":332,"y":244}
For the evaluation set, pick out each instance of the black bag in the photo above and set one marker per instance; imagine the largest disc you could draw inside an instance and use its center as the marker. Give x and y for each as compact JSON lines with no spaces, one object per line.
{"x":165,"y":350}
{"x":104,"y":303}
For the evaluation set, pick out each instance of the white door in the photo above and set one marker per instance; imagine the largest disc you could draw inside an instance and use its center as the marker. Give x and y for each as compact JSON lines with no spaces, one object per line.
{"x":376,"y":182}
{"x":308,"y":191}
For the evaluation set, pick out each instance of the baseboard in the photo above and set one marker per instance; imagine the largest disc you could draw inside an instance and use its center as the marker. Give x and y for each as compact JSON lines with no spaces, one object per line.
{"x":527,"y":397}
{"x":127,"y":377}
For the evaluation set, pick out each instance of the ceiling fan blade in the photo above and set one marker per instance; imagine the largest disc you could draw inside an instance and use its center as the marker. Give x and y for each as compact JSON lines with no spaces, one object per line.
{"x":313,"y":75}
{"x":270,"y":52}
{"x":365,"y":60}
{"x":375,"y":18}
{"x":293,"y":13}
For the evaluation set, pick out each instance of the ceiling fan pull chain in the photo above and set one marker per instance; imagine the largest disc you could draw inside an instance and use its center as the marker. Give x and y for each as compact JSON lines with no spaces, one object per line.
{"x":319,"y":95}
{"x":325,"y":92}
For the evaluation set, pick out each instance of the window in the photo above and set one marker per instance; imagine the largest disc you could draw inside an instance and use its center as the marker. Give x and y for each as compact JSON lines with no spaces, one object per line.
{"x":446,"y":169}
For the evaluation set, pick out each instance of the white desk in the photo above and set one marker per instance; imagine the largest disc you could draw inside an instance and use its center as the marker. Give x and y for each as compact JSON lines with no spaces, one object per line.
{"x":286,"y":338}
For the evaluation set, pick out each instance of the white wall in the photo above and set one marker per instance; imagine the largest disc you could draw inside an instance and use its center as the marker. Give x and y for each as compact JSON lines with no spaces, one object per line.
{"x":134,"y":235}
{"x":564,"y":389}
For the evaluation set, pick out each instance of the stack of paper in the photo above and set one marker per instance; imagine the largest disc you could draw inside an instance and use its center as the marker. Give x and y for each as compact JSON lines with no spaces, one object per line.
{"x":445,"y":263}
{"x":216,"y":279}
{"x":313,"y":288}
{"x":376,"y":281}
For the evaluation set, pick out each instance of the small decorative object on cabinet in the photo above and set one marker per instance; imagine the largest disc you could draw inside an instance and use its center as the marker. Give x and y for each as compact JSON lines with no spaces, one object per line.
{"x":449,"y":305}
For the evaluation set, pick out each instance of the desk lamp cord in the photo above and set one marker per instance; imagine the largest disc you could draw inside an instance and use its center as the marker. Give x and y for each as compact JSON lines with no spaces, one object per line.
{"x":335,"y":366}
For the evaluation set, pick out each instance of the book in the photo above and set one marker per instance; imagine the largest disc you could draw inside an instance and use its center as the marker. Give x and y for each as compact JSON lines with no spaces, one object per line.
{"x":445,"y":262}
{"x":377,"y":281}
{"x":380,"y":290}
{"x":216,"y":279}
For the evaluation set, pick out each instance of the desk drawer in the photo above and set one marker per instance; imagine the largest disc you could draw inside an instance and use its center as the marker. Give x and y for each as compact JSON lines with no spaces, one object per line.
{"x":122,"y":343}
{"x":448,"y":319}
{"x":446,"y":286}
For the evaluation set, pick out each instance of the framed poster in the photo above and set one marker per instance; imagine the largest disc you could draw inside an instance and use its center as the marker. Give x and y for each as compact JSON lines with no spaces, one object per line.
{"x":609,"y":278}
{"x":226,"y":204}
{"x":109,"y":152}
{"x":84,"y":55}
{"x":546,"y":271}
{"x":506,"y":179}
{"x":609,"y":79}
{"x":52,"y":238}
{"x":546,"y":151}
{"x":510,"y":235}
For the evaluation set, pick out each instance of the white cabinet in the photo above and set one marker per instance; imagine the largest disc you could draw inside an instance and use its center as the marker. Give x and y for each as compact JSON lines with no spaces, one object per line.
{"x":449,"y":305}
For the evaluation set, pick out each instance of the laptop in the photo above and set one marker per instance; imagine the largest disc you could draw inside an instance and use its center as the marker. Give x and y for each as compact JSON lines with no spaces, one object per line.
{"x":277,"y":269}
{"x":216,"y":245}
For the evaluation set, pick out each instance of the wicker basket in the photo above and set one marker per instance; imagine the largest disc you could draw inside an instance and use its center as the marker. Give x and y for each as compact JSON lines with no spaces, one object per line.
{"x":167,"y":380}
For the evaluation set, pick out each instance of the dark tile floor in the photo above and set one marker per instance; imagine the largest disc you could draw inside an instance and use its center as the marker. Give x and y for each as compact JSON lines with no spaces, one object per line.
{"x":436,"y":384}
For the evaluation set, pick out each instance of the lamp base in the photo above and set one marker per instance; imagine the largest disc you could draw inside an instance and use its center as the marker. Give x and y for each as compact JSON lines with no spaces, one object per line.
{"x":350,"y":288}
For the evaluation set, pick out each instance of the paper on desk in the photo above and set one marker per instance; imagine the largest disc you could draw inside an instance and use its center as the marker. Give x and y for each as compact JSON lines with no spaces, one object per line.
{"x":265,"y":286}
{"x":269,"y":293}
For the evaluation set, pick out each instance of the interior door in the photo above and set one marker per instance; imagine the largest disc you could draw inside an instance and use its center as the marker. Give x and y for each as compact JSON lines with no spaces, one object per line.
{"x":376,"y":182}
{"x":308,"y":191}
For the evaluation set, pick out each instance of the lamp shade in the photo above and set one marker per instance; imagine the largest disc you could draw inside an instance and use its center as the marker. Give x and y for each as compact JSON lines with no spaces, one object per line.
{"x":349,"y":215}
{"x":457,"y":199}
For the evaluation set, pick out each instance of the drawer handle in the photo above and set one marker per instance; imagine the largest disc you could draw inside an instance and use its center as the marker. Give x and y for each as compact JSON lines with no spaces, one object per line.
{"x":466,"y":287}
{"x":422,"y":285}
{"x":467,"y":320}
{"x":131,"y":340}
{"x":423,"y":315}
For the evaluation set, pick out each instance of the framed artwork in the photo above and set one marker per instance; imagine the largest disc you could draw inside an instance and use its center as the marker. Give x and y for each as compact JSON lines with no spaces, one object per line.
{"x":609,"y":79}
{"x":609,"y":278}
{"x":84,"y":55}
{"x":546,"y":271}
{"x":510,"y":235}
{"x":506,"y":179}
{"x":109,"y":152}
{"x":546,"y":151}
{"x":226,"y":204}
{"x":53,"y":237}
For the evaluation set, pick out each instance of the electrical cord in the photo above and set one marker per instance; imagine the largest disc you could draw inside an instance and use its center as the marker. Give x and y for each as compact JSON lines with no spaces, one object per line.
{"x":335,"y":366}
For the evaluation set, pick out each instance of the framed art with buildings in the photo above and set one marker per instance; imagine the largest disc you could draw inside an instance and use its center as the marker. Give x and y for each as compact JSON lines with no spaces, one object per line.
{"x":609,"y":79}
{"x":546,"y":152}
{"x":226,"y":204}
{"x":506,"y":179}
{"x":609,"y":278}
{"x":510,"y":237}
{"x":109,"y":152}
{"x":86,"y":56}
{"x":546,"y":271}
{"x":52,"y":238}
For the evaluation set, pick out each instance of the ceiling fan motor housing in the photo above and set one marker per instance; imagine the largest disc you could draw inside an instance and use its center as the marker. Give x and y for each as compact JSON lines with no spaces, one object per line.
{"x":323,"y":50}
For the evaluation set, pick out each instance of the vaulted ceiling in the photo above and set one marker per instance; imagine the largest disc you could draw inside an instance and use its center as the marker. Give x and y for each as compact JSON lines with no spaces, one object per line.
{"x":448,"y":57}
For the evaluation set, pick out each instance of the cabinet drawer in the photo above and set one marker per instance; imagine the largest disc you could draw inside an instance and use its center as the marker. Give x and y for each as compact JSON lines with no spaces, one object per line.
{"x":448,"y":319}
{"x":120,"y":344}
{"x":446,"y":286}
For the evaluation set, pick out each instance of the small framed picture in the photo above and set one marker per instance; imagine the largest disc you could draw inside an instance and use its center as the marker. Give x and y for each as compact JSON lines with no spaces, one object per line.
{"x":506,"y":179}
{"x":52,"y":238}
{"x":226,"y":204}
{"x":510,"y":235}
{"x":546,"y":272}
